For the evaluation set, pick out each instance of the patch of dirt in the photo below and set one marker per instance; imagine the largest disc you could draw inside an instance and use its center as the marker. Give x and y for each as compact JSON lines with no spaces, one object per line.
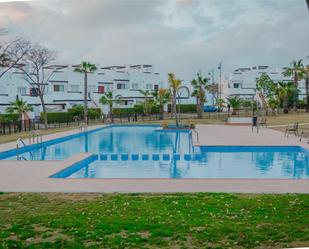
{"x":143,"y":234}
{"x":50,"y":236}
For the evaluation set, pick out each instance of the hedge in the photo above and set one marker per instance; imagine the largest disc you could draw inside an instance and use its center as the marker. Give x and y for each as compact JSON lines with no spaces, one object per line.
{"x":10,"y":117}
{"x":137,"y":109}
{"x":93,"y":113}
{"x":58,"y":117}
{"x":186,"y":108}
{"x":124,"y":111}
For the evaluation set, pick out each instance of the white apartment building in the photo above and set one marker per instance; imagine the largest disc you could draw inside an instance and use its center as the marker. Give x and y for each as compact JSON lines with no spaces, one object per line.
{"x":65,"y":87}
{"x":242,"y":81}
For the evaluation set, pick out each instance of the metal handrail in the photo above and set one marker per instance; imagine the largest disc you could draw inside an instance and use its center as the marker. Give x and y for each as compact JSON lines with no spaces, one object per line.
{"x":19,"y":140}
{"x":197,"y":134}
{"x":35,"y":135}
{"x":83,"y":126}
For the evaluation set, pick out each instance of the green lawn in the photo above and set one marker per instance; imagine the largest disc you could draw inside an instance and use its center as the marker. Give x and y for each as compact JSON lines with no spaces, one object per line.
{"x":153,"y":221}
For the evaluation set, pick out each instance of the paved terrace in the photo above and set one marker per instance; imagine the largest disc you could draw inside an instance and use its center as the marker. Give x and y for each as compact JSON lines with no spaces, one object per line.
{"x":32,"y":176}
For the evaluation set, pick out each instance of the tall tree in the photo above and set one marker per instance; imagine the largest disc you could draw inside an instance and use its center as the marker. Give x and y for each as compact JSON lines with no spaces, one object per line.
{"x":19,"y":106}
{"x":297,"y":72}
{"x":86,"y":68}
{"x":265,"y":88}
{"x":220,"y":104}
{"x":213,"y":89}
{"x":235,"y":103}
{"x":161,"y":97}
{"x":12,"y":53}
{"x":109,"y":99}
{"x":148,"y":101}
{"x":174,"y":85}
{"x":284,"y":91}
{"x":307,"y":86}
{"x":200,"y":85}
{"x":37,"y":72}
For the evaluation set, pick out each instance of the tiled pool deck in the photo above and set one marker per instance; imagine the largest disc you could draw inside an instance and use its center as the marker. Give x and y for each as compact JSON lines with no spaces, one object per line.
{"x":33,"y":176}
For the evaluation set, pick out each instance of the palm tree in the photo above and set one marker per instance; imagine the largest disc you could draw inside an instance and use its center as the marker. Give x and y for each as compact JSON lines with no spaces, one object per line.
{"x":19,"y":106}
{"x":147,"y":104}
{"x":297,"y":72}
{"x":220,"y":104}
{"x":273,"y":103}
{"x":85,"y":68}
{"x":108,"y":99}
{"x":235,"y":103}
{"x":200,"y":85}
{"x":307,"y":84}
{"x":284,"y":91}
{"x":162,"y":97}
{"x":174,"y":85}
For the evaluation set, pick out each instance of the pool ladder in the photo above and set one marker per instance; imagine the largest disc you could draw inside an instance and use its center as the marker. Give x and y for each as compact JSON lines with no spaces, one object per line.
{"x":83,"y":127}
{"x":23,"y":144}
{"x":197,"y":135}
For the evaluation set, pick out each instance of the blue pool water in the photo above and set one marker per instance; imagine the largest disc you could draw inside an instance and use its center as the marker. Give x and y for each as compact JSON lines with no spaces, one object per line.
{"x":148,"y":152}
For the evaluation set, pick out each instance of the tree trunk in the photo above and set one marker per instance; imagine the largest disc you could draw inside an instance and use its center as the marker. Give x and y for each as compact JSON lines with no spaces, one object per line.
{"x":161,"y":112}
{"x":198,"y":107}
{"x":285,"y":106}
{"x":295,"y":92}
{"x":85,"y":98}
{"x":175,"y":108}
{"x":111,"y":113}
{"x":307,"y":93}
{"x":44,"y":111}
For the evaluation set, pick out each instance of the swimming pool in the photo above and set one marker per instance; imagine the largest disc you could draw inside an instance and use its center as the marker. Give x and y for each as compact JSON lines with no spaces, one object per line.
{"x":149,"y":152}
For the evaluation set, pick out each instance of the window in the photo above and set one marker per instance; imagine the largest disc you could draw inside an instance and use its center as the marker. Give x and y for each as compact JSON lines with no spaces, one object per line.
{"x":75,"y":88}
{"x":135,"y":86}
{"x":121,"y":86}
{"x":33,"y":92}
{"x":109,"y":88}
{"x":156,"y":88}
{"x":100,"y":89}
{"x":149,"y":86}
{"x":58,"y":88}
{"x":236,"y":85}
{"x":22,"y":90}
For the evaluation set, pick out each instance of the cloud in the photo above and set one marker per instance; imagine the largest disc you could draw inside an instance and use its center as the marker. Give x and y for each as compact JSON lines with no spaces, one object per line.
{"x":182,"y":36}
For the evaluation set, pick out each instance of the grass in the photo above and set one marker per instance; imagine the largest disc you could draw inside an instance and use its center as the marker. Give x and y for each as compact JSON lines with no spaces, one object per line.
{"x":153,"y":221}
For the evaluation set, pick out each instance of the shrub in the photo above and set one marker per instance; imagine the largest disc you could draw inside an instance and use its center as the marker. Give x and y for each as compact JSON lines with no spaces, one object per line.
{"x":187,"y":108}
{"x":94,"y":113}
{"x":301,"y":104}
{"x":137,"y":109}
{"x":58,"y":117}
{"x":124,"y":111}
{"x":78,"y":111}
{"x":11,"y":117}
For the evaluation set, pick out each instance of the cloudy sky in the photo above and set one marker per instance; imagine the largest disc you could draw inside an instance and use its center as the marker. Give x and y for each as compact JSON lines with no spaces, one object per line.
{"x":182,"y":36}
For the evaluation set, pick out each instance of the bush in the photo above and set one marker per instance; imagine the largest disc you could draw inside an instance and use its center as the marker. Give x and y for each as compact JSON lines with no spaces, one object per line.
{"x":10,"y":117}
{"x":187,"y":108}
{"x":124,"y":111}
{"x":301,"y":104}
{"x":94,"y":113}
{"x":58,"y":117}
{"x":137,"y":109}
{"x":78,"y":111}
